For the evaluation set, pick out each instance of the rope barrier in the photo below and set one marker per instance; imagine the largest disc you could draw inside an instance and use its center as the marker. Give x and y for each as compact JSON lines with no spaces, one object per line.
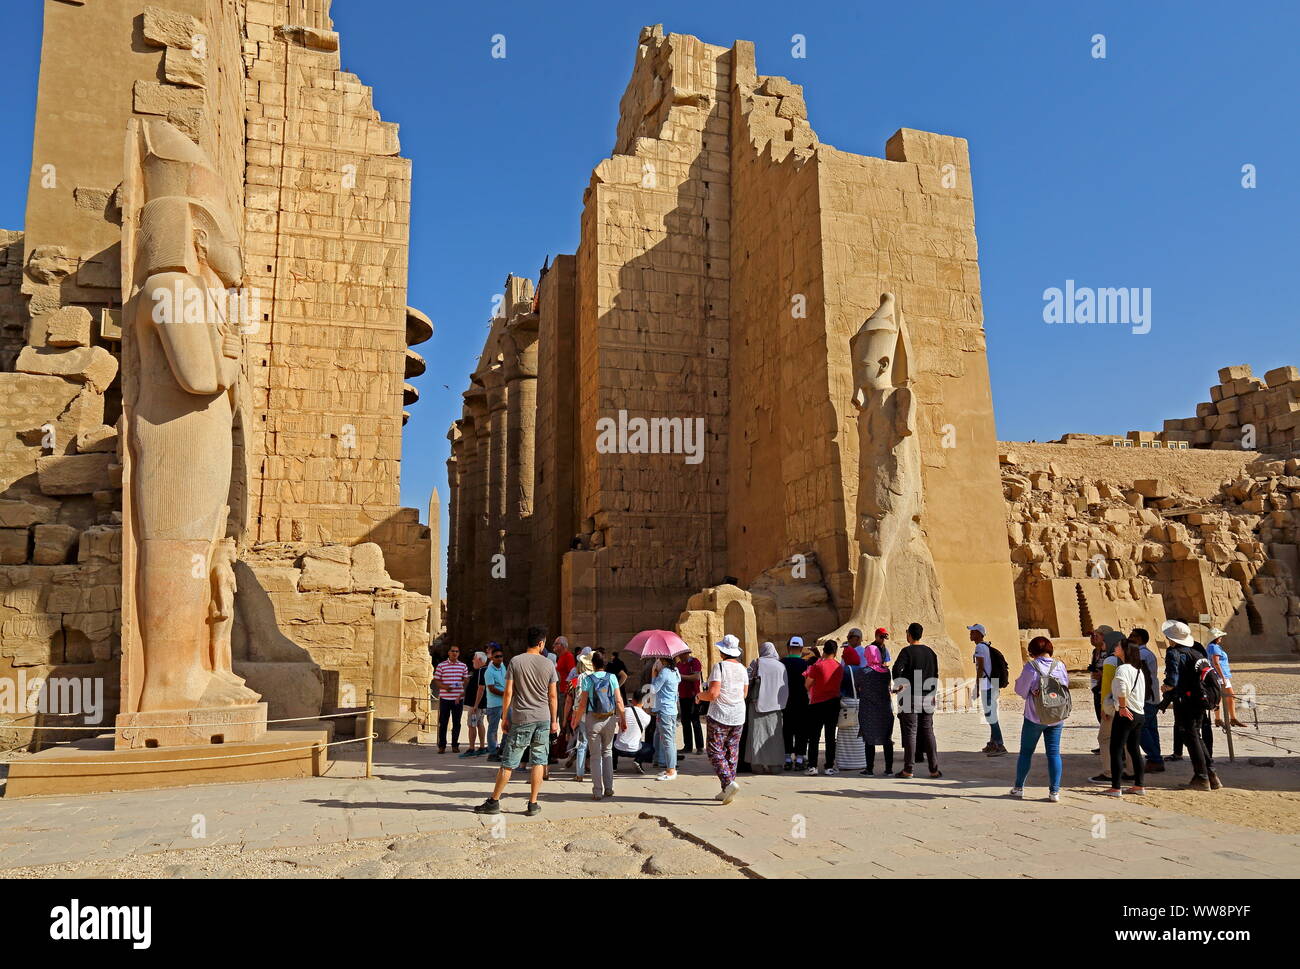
{"x":389,"y":696}
{"x":188,"y":760}
{"x":103,"y":728}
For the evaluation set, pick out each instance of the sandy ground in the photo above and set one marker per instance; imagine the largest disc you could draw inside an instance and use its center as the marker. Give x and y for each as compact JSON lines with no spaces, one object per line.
{"x":605,"y":848}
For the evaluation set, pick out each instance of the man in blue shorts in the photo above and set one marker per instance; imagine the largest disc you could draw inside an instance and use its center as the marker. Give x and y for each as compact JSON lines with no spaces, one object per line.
{"x":529,"y":719}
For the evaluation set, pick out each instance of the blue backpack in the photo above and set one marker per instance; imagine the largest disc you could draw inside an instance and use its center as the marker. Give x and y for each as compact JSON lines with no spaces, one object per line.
{"x":600,"y":695}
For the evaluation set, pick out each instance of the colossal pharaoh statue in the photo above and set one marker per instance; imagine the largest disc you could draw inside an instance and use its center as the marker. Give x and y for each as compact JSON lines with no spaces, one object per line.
{"x":896,"y":583}
{"x":181,"y":363}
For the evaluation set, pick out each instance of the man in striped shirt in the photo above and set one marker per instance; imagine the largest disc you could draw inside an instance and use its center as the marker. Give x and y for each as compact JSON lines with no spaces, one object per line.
{"x":449,"y":678}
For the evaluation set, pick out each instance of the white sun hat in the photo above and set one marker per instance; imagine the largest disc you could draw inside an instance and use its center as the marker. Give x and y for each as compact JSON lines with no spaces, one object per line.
{"x":728,"y":645}
{"x":1177,"y":632}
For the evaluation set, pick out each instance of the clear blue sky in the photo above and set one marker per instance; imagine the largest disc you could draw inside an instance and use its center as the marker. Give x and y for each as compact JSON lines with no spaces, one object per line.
{"x":1117,"y":172}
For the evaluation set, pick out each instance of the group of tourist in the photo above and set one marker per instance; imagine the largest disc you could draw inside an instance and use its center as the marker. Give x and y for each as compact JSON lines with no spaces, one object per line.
{"x":554,"y":705}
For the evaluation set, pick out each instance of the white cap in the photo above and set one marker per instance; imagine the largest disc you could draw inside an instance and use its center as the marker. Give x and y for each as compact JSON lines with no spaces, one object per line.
{"x":1177,"y":632}
{"x":796,"y":641}
{"x":728,"y":645}
{"x":977,"y":628}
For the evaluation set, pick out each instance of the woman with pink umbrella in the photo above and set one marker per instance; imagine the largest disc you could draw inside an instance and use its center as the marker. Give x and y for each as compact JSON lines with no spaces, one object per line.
{"x":664,"y":646}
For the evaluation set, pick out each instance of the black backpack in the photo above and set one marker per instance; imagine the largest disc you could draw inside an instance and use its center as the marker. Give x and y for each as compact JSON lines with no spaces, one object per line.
{"x":1198,"y":683}
{"x":998,"y":666}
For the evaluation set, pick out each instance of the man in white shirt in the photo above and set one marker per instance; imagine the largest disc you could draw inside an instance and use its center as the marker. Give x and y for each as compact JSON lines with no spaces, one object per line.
{"x":988,"y":690}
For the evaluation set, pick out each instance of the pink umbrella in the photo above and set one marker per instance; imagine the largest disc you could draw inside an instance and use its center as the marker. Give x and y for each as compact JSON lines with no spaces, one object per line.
{"x":656,"y":642}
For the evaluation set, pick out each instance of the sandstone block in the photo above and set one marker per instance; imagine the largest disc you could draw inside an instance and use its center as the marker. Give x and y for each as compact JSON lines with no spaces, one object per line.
{"x":54,"y":544}
{"x":102,"y":439}
{"x":1153,"y":488}
{"x":74,"y":474}
{"x":1233,"y":373}
{"x":66,"y":327}
{"x":49,"y":264}
{"x":21,"y":514}
{"x":368,"y":572}
{"x":1282,"y":375}
{"x":167,"y":28}
{"x":324,"y":575}
{"x":182,"y":67}
{"x":13,"y":546}
{"x":93,"y":366}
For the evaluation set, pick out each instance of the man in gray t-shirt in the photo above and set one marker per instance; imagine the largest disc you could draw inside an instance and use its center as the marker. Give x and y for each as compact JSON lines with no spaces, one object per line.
{"x":532,"y":675}
{"x":530,"y":717}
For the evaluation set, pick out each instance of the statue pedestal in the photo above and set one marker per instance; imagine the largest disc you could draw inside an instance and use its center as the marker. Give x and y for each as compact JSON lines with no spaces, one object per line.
{"x":92,"y":765}
{"x":184,"y":728}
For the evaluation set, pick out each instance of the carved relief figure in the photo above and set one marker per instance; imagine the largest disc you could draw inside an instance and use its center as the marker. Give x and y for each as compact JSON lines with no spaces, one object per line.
{"x":896,"y":581}
{"x":185,"y":257}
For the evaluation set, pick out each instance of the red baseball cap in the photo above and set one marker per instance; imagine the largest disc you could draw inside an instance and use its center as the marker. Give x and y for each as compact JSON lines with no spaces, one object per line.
{"x":882,"y":631}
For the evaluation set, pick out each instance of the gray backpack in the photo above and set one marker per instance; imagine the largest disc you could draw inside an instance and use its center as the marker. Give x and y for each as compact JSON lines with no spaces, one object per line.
{"x":1052,"y":702}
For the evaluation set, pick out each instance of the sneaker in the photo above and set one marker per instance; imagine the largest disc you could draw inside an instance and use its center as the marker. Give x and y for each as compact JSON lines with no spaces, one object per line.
{"x":1154,"y":768}
{"x":1174,"y":757}
{"x":998,"y":752}
{"x":1199,"y":784}
{"x":1100,"y":779}
{"x":720,"y":795}
{"x":867,"y":772}
{"x":811,"y":771}
{"x":494,"y":758}
{"x":533,"y":809}
{"x":1054,"y":797}
{"x":729,"y":792}
{"x":1113,"y":792}
{"x":1215,"y":783}
{"x":832,"y":771}
{"x":1018,"y":792}
{"x":1139,"y":791}
{"x":490,"y":806}
{"x":789,"y":764}
{"x":665,"y":776}
{"x":640,"y":768}
{"x":905,"y":774}
{"x":936,"y":773}
{"x":1096,"y":750}
{"x":469,"y":753}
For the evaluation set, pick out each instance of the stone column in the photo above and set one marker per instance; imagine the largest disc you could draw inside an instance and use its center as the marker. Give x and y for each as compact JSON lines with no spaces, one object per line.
{"x":520,"y":364}
{"x":495,"y":582}
{"x":473,"y":516}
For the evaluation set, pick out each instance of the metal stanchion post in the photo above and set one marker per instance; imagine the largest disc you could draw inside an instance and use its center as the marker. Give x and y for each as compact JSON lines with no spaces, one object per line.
{"x":370,"y":735}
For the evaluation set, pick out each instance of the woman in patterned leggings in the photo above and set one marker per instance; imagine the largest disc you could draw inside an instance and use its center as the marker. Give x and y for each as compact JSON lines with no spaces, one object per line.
{"x":725,"y":694}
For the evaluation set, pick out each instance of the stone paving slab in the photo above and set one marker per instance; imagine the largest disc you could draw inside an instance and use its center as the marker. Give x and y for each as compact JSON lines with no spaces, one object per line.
{"x":785,"y":825}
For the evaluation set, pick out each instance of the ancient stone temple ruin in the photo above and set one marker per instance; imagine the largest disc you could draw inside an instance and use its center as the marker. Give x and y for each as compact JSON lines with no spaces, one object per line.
{"x":756,"y":400}
{"x":671,"y":413}
{"x":199,"y":496}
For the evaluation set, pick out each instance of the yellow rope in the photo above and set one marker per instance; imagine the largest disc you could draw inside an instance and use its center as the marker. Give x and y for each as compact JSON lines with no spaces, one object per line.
{"x":184,"y":760}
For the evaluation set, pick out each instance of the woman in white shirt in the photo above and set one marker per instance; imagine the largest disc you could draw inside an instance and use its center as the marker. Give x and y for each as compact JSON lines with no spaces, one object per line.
{"x":725,"y":695}
{"x":1128,"y":692}
{"x":631,"y":741}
